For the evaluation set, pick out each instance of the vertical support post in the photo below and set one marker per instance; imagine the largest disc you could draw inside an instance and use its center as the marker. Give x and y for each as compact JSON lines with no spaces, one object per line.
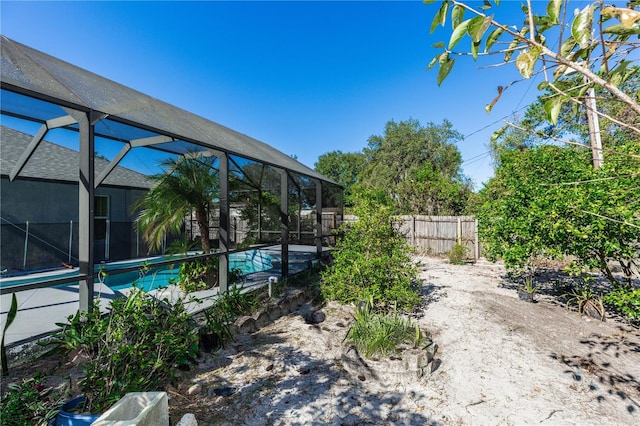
{"x":284,"y":222}
{"x":86,"y":205}
{"x":260,"y":214}
{"x":70,"y":240}
{"x":299,"y":221}
{"x":459,"y":231}
{"x":477,"y":242}
{"x":413,"y":231}
{"x":318,"y":183}
{"x":107,"y":240}
{"x":26,"y":246}
{"x":223,"y":225}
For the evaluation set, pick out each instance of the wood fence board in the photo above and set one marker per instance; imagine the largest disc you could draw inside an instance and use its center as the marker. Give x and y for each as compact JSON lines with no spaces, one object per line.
{"x":435,"y":234}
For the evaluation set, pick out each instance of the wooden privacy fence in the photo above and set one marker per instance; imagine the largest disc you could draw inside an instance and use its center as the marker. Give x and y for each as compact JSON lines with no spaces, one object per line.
{"x":437,"y":234}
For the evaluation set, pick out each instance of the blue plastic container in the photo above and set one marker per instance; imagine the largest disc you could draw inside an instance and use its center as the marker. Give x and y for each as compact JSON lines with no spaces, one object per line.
{"x":67,"y":418}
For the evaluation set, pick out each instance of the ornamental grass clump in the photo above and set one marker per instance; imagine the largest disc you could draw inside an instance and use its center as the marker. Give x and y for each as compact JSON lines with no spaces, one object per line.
{"x":378,"y":335}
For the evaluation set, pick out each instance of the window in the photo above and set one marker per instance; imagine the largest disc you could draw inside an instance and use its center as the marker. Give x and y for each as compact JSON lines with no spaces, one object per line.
{"x":101,"y":216}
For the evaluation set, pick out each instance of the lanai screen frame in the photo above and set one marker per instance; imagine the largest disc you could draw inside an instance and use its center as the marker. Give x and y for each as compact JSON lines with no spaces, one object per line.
{"x":97,"y":107}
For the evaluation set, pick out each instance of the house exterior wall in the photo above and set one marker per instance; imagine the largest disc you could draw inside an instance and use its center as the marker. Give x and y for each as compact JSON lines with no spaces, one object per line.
{"x":51,"y":210}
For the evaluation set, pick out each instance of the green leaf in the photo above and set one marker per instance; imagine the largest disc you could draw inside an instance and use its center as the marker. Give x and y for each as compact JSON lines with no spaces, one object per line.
{"x":441,"y":16}
{"x":439,"y":45}
{"x":458,"y":33}
{"x":526,"y":61}
{"x":552,"y":107}
{"x":486,"y":5}
{"x":498,"y":133}
{"x":456,"y":15}
{"x":428,"y":1}
{"x":474,"y":49}
{"x":514,"y":43}
{"x":619,"y":75}
{"x":559,"y":71}
{"x":433,"y":61}
{"x":568,"y":45}
{"x":478,"y":26}
{"x":581,"y":26}
{"x":621,"y":30}
{"x":553,"y":10}
{"x":446,"y":64}
{"x":11,"y":316}
{"x":492,"y":38}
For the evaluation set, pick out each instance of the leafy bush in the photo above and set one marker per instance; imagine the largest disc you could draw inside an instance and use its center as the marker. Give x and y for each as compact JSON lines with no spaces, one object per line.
{"x":371,"y":256}
{"x":198,"y":274}
{"x":134,"y":347}
{"x":458,"y":254}
{"x":379,"y":335}
{"x":529,"y":209}
{"x":225,"y":310}
{"x":626,"y":301}
{"x":30,"y":402}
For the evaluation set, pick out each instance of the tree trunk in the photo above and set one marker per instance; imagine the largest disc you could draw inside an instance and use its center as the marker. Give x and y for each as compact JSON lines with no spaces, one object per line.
{"x":203,"y":225}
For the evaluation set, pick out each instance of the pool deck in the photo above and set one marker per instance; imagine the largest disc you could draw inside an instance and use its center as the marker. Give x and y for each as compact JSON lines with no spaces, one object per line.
{"x":39,"y":310}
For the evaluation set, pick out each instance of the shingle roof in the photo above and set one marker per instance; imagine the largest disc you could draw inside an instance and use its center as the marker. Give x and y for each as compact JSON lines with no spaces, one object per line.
{"x":55,"y":162}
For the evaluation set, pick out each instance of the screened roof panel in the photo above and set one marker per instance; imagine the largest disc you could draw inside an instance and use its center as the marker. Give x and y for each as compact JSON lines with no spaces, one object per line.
{"x":29,"y":107}
{"x":40,"y":75}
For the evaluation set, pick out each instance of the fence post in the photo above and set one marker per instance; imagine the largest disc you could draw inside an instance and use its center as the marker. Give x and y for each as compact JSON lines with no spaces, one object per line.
{"x":413,"y":231}
{"x":459,"y":231}
{"x":477,"y":241}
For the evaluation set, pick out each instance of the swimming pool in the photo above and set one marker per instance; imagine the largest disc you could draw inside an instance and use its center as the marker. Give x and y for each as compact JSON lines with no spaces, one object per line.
{"x":153,"y":277}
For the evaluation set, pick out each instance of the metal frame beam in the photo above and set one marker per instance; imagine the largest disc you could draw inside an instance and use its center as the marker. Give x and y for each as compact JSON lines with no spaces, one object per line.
{"x":223,"y":226}
{"x":318,"y":183}
{"x":284,"y":222}
{"x":26,"y":155}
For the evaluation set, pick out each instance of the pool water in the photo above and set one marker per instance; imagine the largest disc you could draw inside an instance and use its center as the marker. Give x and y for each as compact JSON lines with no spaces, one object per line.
{"x":248,"y":262}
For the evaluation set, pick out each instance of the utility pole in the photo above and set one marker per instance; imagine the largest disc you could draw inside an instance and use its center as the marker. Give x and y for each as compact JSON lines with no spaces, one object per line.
{"x":594,"y":129}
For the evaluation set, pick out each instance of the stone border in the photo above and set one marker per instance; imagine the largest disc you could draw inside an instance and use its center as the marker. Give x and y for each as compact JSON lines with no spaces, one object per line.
{"x":280,"y":307}
{"x":412,"y":365}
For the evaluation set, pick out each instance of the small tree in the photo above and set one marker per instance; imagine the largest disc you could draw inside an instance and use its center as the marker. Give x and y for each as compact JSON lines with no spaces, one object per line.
{"x":371,"y":260}
{"x":189,"y":184}
{"x":548,"y":200}
{"x":344,"y":168}
{"x":418,"y":167}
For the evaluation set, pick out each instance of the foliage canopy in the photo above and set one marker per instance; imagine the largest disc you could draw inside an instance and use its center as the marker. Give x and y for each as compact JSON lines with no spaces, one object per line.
{"x":190,"y":184}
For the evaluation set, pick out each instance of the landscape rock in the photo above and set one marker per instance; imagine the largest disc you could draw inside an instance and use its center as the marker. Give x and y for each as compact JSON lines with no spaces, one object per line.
{"x":194,"y":389}
{"x":188,"y":420}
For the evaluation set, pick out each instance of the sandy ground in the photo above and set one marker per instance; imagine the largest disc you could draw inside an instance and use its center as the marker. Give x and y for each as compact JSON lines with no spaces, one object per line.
{"x":502,"y":361}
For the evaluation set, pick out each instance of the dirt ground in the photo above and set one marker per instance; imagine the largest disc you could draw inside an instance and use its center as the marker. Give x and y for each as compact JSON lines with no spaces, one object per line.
{"x":501,"y":361}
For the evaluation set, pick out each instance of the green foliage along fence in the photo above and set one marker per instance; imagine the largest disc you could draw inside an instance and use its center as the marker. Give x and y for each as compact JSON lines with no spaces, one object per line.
{"x":437,"y":235}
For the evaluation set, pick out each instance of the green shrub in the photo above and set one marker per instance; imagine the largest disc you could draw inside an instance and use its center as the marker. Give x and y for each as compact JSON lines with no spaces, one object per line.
{"x":198,"y":274}
{"x":134,"y":347}
{"x":225,"y":310}
{"x":373,"y":257}
{"x":379,"y":335}
{"x":626,"y":301}
{"x":29,"y":402}
{"x":458,"y":254}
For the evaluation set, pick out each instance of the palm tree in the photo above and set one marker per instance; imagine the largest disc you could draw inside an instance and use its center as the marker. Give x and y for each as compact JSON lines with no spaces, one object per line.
{"x":189,"y":184}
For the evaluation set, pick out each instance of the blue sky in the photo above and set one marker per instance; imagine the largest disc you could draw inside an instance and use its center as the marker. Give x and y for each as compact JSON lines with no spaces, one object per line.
{"x":304,"y":77}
